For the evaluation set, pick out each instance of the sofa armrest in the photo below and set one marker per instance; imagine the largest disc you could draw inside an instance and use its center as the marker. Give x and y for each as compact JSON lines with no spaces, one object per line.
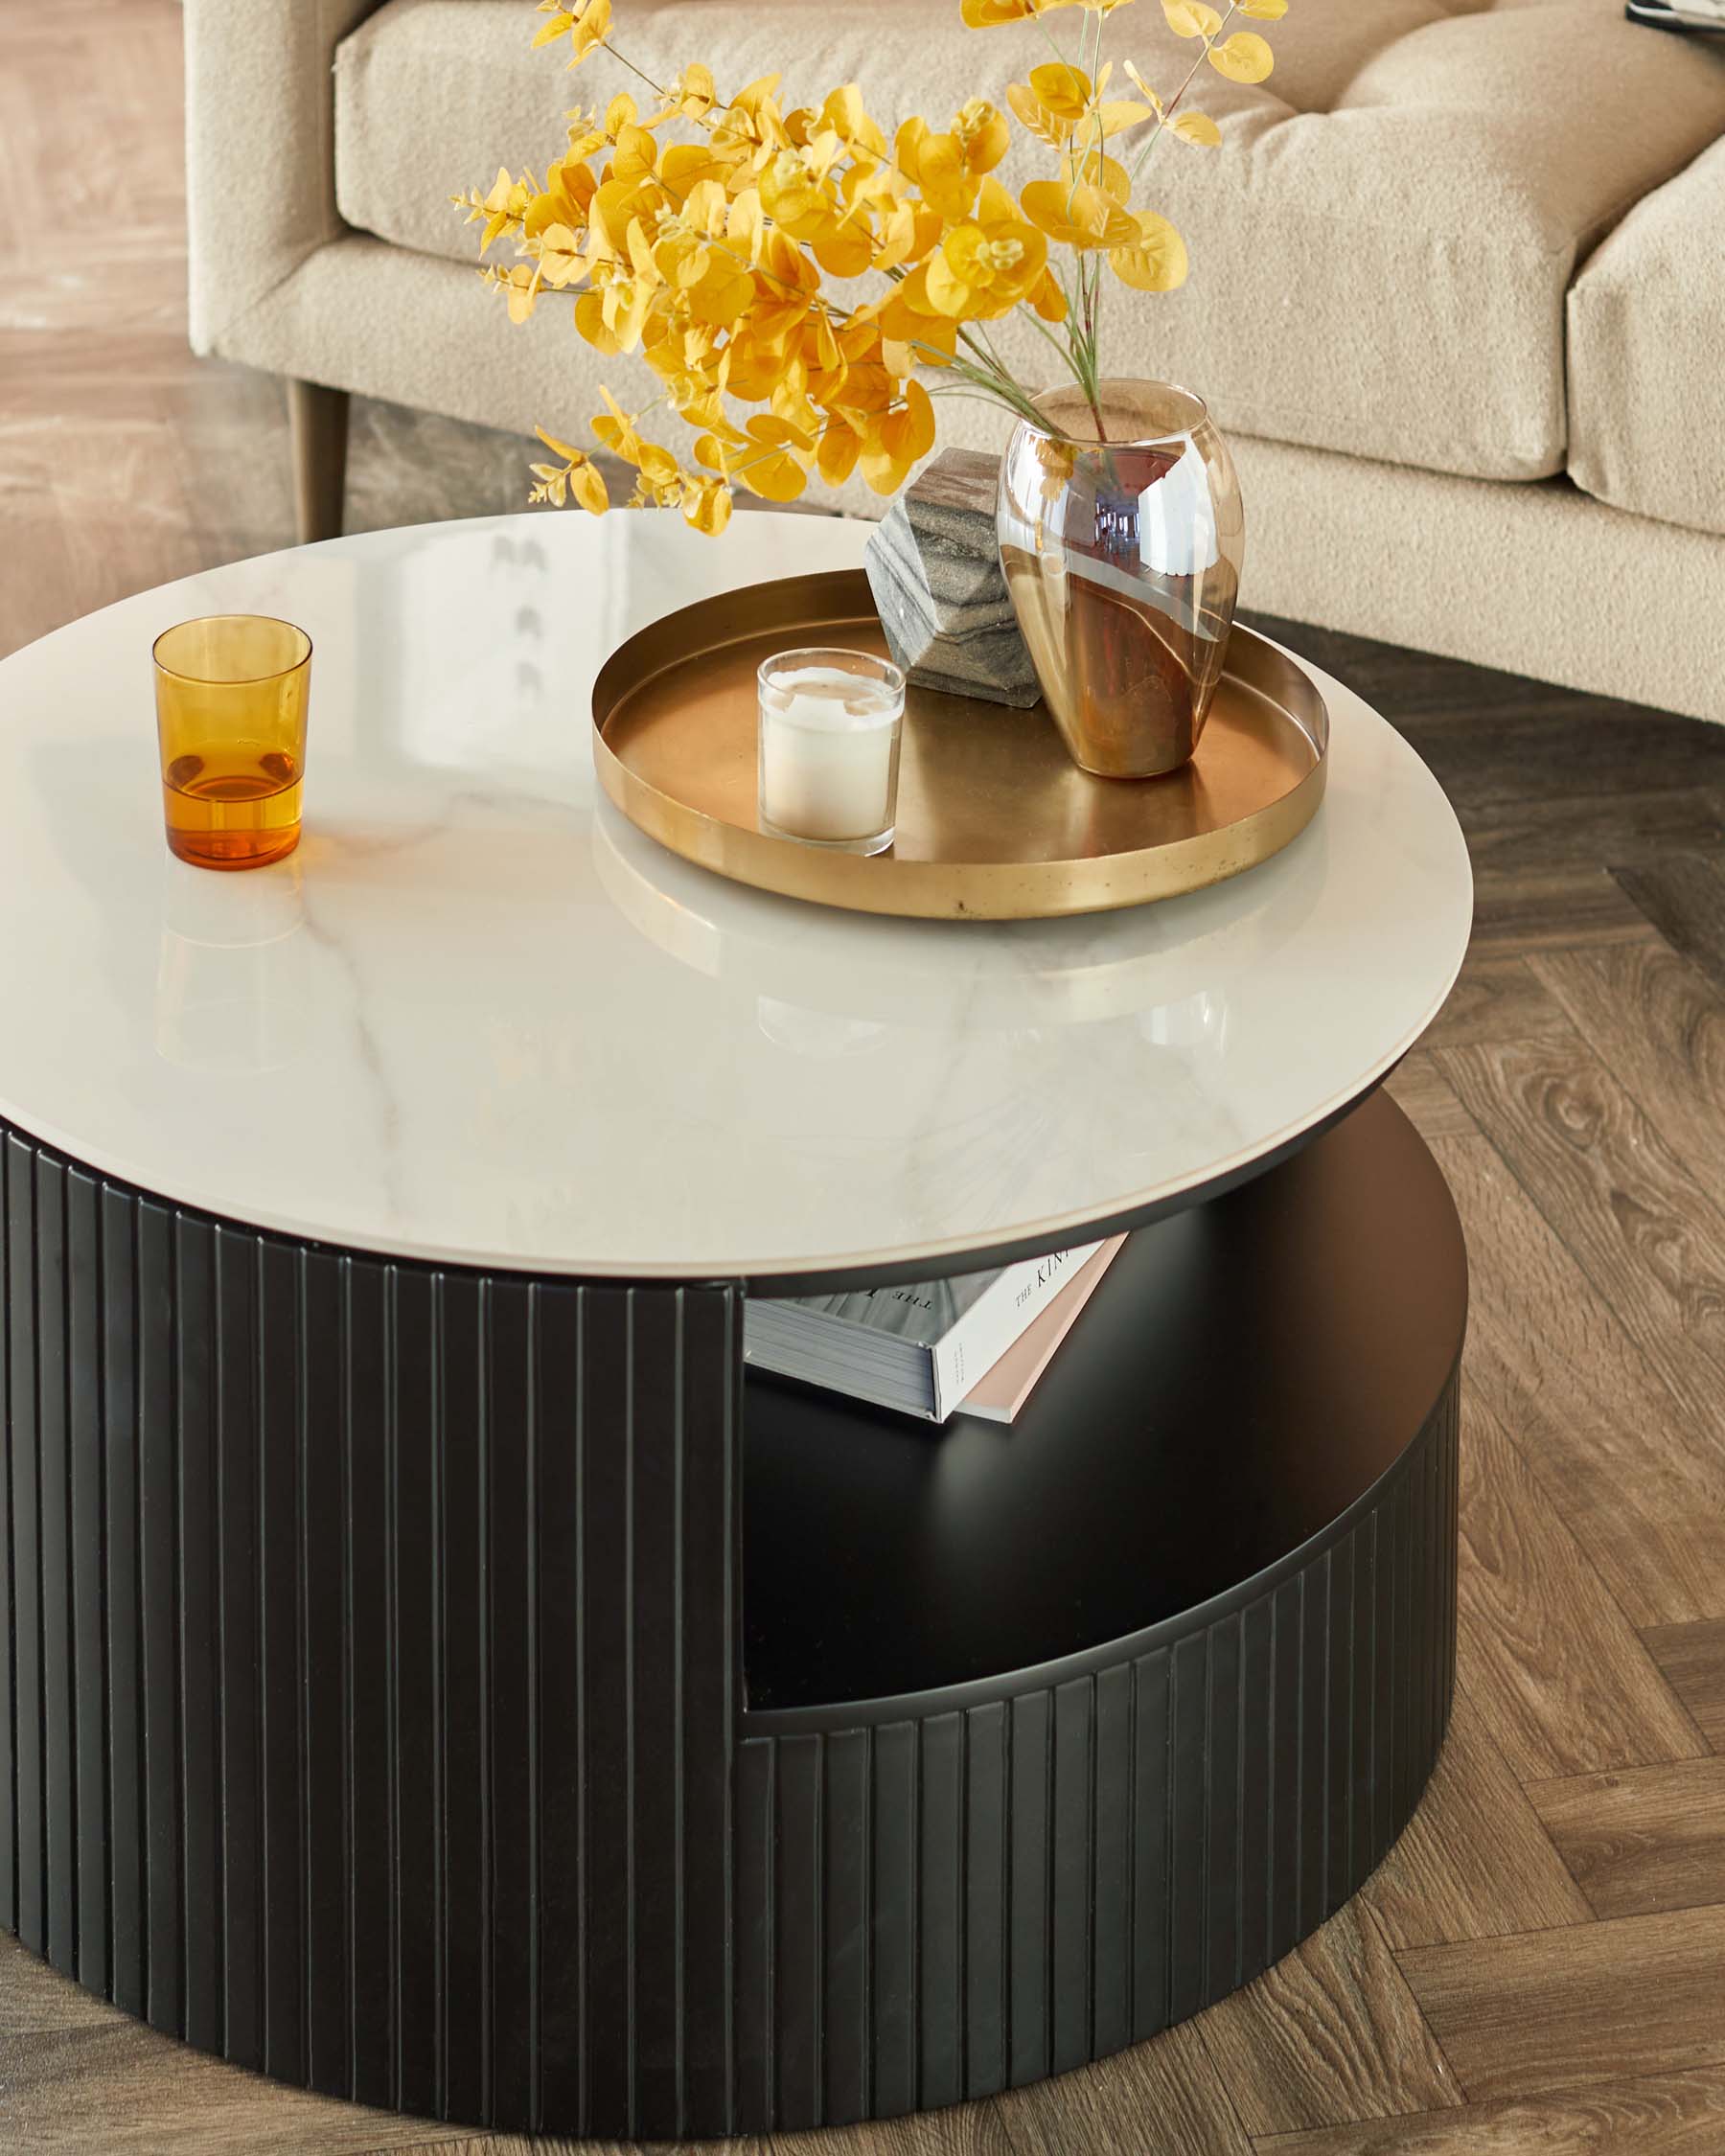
{"x":260,"y":155}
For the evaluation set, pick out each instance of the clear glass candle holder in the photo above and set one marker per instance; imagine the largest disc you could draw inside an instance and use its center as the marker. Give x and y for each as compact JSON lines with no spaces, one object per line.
{"x":829,"y":754}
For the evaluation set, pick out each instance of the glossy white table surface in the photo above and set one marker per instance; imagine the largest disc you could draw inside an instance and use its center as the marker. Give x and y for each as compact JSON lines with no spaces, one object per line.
{"x":479,"y":1018}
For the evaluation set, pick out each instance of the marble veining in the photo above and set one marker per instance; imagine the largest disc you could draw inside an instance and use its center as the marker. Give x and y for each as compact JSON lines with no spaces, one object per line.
{"x":480,"y":1019}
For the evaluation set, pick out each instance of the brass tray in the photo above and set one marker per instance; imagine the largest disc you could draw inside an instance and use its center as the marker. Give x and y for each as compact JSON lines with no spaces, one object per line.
{"x":995,"y":821}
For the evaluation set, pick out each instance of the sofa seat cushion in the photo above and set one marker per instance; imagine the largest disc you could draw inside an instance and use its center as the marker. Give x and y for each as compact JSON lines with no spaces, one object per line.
{"x":1380,"y":252}
{"x":1646,"y":343}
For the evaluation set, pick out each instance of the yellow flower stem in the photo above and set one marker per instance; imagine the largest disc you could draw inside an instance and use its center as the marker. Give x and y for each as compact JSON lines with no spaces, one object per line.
{"x":1064,"y":350}
{"x":1081,"y":331}
{"x":994,"y":356}
{"x":995,"y":380}
{"x":1049,"y":38}
{"x":1079,"y":358}
{"x":640,"y":74}
{"x":1095,"y":306}
{"x":1173,"y":104}
{"x":987,"y":397}
{"x":998,"y":389}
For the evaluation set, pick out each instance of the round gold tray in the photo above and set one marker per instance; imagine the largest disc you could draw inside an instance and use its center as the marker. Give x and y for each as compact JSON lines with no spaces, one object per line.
{"x":995,"y":821}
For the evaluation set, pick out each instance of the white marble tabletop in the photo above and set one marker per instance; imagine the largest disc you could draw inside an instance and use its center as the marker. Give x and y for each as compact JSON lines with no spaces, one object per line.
{"x":479,"y":1018}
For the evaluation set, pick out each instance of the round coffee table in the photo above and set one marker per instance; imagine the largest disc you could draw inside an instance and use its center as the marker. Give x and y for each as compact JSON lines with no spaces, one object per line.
{"x":436,"y":1673}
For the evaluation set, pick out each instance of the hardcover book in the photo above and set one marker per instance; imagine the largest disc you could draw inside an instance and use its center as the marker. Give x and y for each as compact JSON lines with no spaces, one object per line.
{"x":999,"y":1394}
{"x":918,"y":1347}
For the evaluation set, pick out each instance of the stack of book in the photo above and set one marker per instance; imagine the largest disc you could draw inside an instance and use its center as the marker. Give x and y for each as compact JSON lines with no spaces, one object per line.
{"x":978,"y":1340}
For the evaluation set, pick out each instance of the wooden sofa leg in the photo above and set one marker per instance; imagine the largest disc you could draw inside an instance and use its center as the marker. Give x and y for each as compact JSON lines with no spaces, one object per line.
{"x":318,"y":420}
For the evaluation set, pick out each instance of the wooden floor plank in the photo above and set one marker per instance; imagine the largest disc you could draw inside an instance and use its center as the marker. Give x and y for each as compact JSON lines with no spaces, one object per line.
{"x":1171,"y":2081}
{"x":1684,"y":896}
{"x":1559,"y":1673}
{"x":1691,"y":1658}
{"x":1330,"y":2034}
{"x":1562,"y":2009}
{"x":1474,"y":1860}
{"x":1496,"y":999}
{"x":1657,"y":1022}
{"x":1428,"y":1099}
{"x":1638,"y":1476}
{"x":1661,"y":2114}
{"x":1575,"y":824}
{"x":36,"y":1999}
{"x":1516,"y":912}
{"x":1647,"y":1236}
{"x":124,"y":2090}
{"x":1642,"y":1840}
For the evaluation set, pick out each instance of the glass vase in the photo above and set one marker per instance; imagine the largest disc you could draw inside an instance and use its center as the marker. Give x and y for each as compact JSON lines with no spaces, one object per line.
{"x":1121,"y":537}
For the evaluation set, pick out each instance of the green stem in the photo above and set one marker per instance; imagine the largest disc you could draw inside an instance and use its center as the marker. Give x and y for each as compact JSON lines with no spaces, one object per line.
{"x":1173,"y":104}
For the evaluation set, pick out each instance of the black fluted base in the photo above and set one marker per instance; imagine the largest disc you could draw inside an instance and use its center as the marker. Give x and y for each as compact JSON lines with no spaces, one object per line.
{"x":463,"y":1693}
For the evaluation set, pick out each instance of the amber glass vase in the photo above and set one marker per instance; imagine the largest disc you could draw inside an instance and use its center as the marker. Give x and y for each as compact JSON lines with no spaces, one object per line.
{"x":1122,"y":537}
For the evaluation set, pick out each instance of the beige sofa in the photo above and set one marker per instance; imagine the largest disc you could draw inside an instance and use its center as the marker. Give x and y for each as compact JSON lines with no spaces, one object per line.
{"x":1458,"y":292}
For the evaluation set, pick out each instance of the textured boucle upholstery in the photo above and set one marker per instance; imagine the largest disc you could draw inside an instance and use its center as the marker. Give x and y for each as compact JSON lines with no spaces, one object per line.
{"x":1381,"y":251}
{"x":1381,"y":261}
{"x":1647,"y":355}
{"x":1539,"y":579}
{"x":260,"y":176}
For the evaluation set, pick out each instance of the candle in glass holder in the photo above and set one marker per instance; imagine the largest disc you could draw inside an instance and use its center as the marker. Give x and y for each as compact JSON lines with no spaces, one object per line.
{"x":829,"y":757}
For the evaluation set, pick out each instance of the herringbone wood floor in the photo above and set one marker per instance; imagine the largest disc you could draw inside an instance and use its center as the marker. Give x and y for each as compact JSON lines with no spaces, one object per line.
{"x":1540,"y":1964}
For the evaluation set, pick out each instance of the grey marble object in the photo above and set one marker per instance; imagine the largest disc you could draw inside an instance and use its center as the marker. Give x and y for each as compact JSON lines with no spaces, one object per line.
{"x":934,"y":569}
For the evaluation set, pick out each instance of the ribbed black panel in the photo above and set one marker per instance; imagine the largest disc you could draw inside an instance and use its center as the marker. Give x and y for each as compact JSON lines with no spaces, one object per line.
{"x":368,"y":1700}
{"x":1050,"y":1877}
{"x":372,"y":1705}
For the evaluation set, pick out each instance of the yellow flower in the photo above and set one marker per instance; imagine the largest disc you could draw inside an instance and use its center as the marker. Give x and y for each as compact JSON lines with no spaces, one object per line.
{"x":771,"y":457}
{"x":909,"y":317}
{"x":565,"y":199}
{"x":519,"y":286}
{"x":897,"y":439}
{"x":503,"y":205}
{"x":1154,"y":260}
{"x":1244,"y":58}
{"x":947,"y":168}
{"x":793,"y":189}
{"x":576,"y":476}
{"x":987,"y":14}
{"x":986,"y":268}
{"x":1190,"y":18}
{"x":1082,"y":217}
{"x":707,"y":504}
{"x":615,"y":206}
{"x":1063,"y":92}
{"x":560,"y":261}
{"x":623,"y":300}
{"x":720,"y":257}
{"x":585,"y":25}
{"x":617,"y":429}
{"x":752,"y":120}
{"x":845,"y":115}
{"x":692,"y":93}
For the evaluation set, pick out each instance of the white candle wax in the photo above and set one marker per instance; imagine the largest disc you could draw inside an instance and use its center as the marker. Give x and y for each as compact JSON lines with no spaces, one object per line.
{"x":827,"y":741}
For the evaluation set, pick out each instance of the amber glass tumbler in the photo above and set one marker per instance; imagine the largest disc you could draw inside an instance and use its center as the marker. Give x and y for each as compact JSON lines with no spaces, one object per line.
{"x":231,"y":698}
